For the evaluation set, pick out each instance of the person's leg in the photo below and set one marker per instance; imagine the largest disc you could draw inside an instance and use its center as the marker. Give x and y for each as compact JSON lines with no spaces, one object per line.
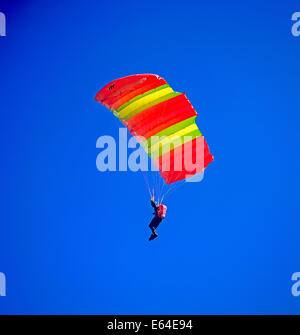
{"x":152,"y":226}
{"x":157,"y":222}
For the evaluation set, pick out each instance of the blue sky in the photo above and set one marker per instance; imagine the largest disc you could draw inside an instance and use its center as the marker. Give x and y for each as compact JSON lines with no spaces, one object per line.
{"x":73,"y":239}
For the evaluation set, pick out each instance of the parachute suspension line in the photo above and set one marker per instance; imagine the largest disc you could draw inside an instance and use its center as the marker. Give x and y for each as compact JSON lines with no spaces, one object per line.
{"x":173,"y":188}
{"x":152,"y":180}
{"x":156,"y":185}
{"x":155,"y":182}
{"x":146,"y":182}
{"x":160,"y":187}
{"x":152,"y":183}
{"x":148,"y":177}
{"x":161,"y":191}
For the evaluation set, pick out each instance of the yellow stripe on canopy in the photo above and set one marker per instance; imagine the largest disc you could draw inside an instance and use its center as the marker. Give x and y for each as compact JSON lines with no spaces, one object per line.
{"x":144,"y":101}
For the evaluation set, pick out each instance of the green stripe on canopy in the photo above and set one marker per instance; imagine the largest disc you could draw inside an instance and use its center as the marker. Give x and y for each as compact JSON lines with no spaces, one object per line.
{"x":168,"y":131}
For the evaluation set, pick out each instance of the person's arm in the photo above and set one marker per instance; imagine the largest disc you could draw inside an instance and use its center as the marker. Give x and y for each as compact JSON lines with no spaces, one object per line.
{"x":154,"y":205}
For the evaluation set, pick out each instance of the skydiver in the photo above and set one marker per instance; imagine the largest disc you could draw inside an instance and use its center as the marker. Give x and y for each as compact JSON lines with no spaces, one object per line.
{"x":159,"y":214}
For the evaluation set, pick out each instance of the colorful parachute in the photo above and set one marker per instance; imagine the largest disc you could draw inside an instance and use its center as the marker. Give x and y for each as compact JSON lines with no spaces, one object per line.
{"x":163,"y":121}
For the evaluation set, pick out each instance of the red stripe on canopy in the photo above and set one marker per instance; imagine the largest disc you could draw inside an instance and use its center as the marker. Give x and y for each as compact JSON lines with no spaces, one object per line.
{"x":163,"y":115}
{"x":184,"y":161}
{"x":118,"y":92}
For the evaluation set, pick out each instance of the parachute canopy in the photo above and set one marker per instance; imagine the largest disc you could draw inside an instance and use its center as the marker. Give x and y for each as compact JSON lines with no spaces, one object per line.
{"x":163,"y":121}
